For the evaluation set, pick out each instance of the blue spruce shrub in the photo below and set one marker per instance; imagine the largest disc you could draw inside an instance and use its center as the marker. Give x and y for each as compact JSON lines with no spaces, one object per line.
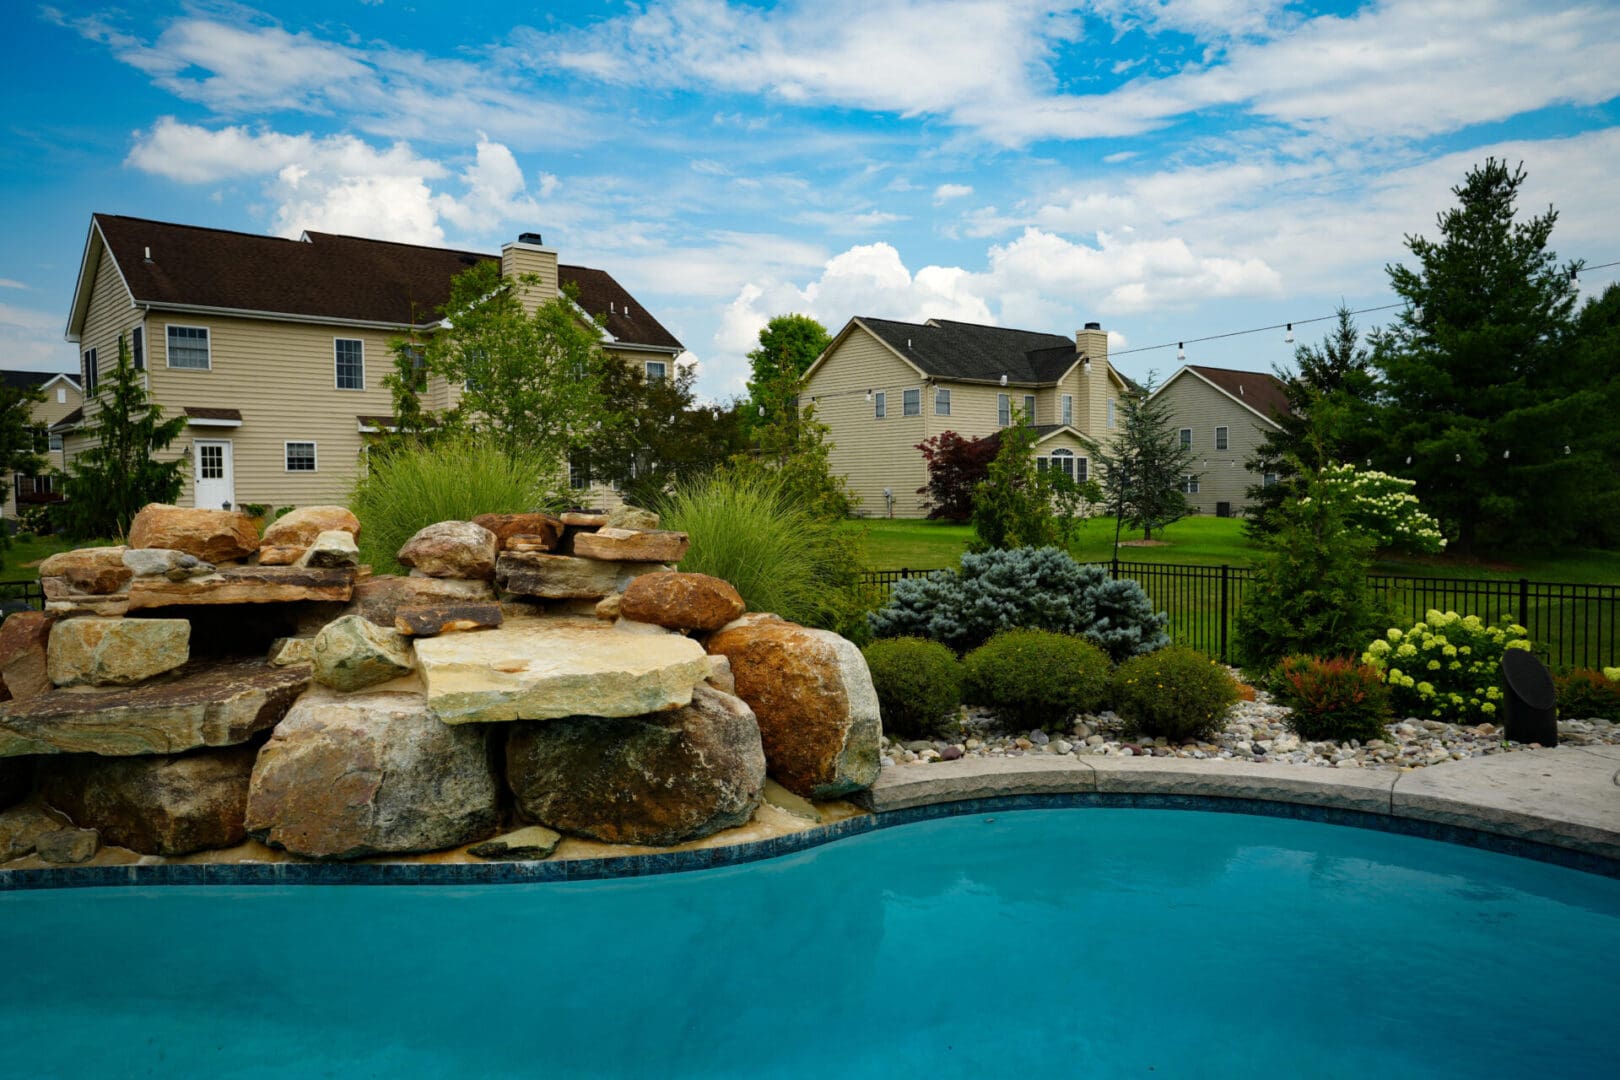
{"x":1040,"y":588}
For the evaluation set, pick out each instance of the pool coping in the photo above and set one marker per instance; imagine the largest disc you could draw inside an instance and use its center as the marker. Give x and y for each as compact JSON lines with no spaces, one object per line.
{"x":1559,"y":806}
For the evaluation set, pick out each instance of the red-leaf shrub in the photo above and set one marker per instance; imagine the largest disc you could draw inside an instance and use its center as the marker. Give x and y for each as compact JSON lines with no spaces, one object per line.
{"x":955,"y":467}
{"x":1335,"y":699}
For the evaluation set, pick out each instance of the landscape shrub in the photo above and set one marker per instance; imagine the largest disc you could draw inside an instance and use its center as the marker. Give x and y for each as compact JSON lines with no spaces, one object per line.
{"x":919,"y":686}
{"x":1031,"y":588}
{"x":779,"y":552}
{"x":1585,"y":694}
{"x":1035,"y":678}
{"x":459,"y":477}
{"x":1446,"y":667}
{"x":1175,"y":692}
{"x":1335,"y":699}
{"x":1383,"y":507}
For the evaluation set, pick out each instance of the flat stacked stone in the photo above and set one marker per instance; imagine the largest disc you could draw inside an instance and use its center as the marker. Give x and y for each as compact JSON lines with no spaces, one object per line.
{"x":564,"y":577}
{"x":539,"y":532}
{"x":116,"y":652}
{"x":166,"y":562}
{"x":243,"y":585}
{"x":381,"y":599}
{"x":214,"y":536}
{"x":632,"y":545}
{"x":435,"y":619}
{"x":451,"y":549}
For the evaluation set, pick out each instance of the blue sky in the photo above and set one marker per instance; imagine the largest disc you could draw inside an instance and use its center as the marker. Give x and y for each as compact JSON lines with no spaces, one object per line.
{"x":1169,"y":168}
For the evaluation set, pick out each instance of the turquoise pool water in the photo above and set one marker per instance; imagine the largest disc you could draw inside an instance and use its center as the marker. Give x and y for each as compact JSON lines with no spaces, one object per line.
{"x":1138,"y":943}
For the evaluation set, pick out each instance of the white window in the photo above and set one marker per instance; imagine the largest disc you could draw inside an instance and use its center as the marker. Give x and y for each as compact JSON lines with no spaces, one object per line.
{"x":1063,"y":461}
{"x":300,"y":456}
{"x":1003,"y":410}
{"x":880,"y":405}
{"x":1220,"y":438}
{"x":1082,"y":469}
{"x":61,"y":395}
{"x":1068,"y":408}
{"x":1186,"y":438}
{"x":1189,"y":485}
{"x":579,"y":472}
{"x":189,"y":347}
{"x":911,"y":402}
{"x":349,"y":355}
{"x":655,"y":370}
{"x":942,"y":401}
{"x":55,"y":442}
{"x":1029,"y":408}
{"x":1110,"y":412}
{"x":1269,"y":479}
{"x":137,"y":348}
{"x":87,"y":370}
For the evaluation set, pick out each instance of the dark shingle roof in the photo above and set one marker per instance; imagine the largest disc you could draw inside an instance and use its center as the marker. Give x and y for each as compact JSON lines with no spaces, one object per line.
{"x":958,"y":350}
{"x":1259,"y":391}
{"x":325,"y":275}
{"x":27,"y":380}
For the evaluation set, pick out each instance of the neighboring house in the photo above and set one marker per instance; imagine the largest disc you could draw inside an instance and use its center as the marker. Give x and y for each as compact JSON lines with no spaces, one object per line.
{"x":62,"y":399}
{"x":275,"y":350}
{"x":882,"y":387}
{"x":1222,"y":415}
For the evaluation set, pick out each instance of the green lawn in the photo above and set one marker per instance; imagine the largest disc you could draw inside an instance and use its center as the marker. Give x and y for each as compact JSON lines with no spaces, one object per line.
{"x":1211,"y":541}
{"x":22,"y":558}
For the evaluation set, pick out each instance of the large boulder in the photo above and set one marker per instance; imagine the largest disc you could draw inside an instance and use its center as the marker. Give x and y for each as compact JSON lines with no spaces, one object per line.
{"x":205,"y":703}
{"x":212,"y":535}
{"x":682,"y":601}
{"x":299,"y":528}
{"x":98,"y":570}
{"x":371,"y":774}
{"x":116,"y":652}
{"x":660,"y":779}
{"x":167,"y":804}
{"x":812,"y":695}
{"x":543,"y":669}
{"x":20,"y":829}
{"x":352,"y":653}
{"x":543,"y":531}
{"x":632,"y":545}
{"x":380,"y":599}
{"x":24,"y":644}
{"x":67,"y":846}
{"x":451,"y":549}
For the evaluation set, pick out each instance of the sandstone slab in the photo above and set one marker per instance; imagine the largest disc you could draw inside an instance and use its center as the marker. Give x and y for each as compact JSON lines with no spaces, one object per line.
{"x":380,"y":599}
{"x":280,"y":554}
{"x":98,"y":570}
{"x":682,"y":601}
{"x":299,"y":528}
{"x":812,"y":695}
{"x":332,"y":550}
{"x":371,"y":774}
{"x":661,"y":779}
{"x":352,"y":653}
{"x":519,"y":845}
{"x":632,"y":545}
{"x":564,"y":577}
{"x":583,"y":519}
{"x":541,"y":532}
{"x":167,"y":804}
{"x":451,"y":549}
{"x":243,"y":585}
{"x":212,"y":535}
{"x":631,"y":517}
{"x":116,"y":652}
{"x":205,"y":703}
{"x":24,"y":641}
{"x":435,"y":619}
{"x":67,"y":846}
{"x":543,"y":669}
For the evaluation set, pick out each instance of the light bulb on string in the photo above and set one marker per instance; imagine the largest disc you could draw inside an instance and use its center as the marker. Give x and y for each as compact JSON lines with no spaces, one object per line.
{"x":1288,"y":338}
{"x":1506,"y":454}
{"x":1181,"y":350}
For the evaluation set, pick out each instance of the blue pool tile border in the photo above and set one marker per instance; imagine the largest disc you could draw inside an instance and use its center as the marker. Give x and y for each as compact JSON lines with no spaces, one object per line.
{"x":671,"y":862}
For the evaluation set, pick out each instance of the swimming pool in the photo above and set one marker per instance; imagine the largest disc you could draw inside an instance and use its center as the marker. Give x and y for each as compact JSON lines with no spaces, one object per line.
{"x":1044,"y":943}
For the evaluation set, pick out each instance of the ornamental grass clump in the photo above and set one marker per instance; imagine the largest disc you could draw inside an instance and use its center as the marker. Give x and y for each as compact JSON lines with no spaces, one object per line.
{"x":1446,"y":667}
{"x":1035,"y":678}
{"x":919,"y":686}
{"x":1031,"y":588}
{"x":1175,"y":692}
{"x":1585,"y":694}
{"x":1334,"y":699}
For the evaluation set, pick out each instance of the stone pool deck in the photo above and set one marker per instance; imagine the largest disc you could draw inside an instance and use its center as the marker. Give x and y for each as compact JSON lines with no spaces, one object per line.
{"x":1567,"y":797}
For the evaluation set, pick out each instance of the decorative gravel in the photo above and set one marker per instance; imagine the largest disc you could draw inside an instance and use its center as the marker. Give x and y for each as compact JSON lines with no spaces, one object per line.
{"x":1255,"y":731}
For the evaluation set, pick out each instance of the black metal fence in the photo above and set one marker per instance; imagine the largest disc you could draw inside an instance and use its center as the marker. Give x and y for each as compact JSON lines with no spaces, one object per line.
{"x":19,"y":595}
{"x":1571,"y":624}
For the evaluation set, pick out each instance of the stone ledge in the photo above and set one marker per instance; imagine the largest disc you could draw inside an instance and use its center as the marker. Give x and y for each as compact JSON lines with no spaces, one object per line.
{"x":1344,"y":789}
{"x":900,"y":787}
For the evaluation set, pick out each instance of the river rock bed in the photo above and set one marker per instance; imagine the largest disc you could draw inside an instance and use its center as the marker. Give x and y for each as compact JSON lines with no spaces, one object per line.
{"x":1255,"y":731}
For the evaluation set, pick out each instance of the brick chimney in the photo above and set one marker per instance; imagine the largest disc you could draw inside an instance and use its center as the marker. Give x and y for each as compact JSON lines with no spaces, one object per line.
{"x":528,"y":255}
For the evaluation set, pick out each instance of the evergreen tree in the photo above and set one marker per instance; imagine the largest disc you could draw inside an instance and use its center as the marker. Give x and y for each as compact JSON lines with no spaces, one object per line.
{"x":1591,"y":377}
{"x":21,"y":440}
{"x":1144,"y":466}
{"x":1330,"y":402}
{"x":110,"y":481}
{"x":1472,"y":391}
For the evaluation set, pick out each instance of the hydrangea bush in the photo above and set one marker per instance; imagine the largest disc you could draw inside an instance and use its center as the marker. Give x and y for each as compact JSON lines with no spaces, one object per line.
{"x":1041,"y":588}
{"x":1383,"y":507}
{"x":1446,"y":667}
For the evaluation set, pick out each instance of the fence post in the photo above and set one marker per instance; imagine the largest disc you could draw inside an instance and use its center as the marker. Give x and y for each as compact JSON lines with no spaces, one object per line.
{"x":1524,"y":603}
{"x":1114,"y":569}
{"x":1226,"y":581}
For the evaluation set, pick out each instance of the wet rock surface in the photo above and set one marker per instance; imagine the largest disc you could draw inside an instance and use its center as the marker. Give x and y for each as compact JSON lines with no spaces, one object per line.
{"x":68,"y":846}
{"x":532,"y":842}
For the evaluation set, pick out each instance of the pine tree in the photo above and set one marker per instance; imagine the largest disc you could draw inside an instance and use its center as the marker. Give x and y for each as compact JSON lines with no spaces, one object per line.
{"x":20,"y":438}
{"x":1144,"y":466}
{"x":1472,"y":391}
{"x":110,"y":481}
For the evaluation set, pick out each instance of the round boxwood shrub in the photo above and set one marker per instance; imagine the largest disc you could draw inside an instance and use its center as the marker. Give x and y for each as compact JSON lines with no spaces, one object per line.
{"x":1175,"y":692}
{"x":1035,"y":678}
{"x":1335,"y":699}
{"x":919,"y":686}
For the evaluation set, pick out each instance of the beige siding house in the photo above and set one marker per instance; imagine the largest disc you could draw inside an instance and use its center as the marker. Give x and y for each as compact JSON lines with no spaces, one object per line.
{"x":1221,"y":415}
{"x":275,"y":350}
{"x":62,"y":399}
{"x":882,"y":387}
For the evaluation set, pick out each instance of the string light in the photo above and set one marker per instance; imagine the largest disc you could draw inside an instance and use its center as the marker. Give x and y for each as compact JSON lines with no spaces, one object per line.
{"x":1181,"y":350}
{"x":1288,"y":338}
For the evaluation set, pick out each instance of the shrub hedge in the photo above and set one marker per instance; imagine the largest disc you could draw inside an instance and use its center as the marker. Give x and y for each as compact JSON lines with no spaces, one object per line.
{"x":1035,"y":678}
{"x":919,"y":686}
{"x":1175,"y":692}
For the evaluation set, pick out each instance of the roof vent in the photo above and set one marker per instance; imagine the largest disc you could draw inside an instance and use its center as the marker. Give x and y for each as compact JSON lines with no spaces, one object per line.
{"x":530,"y":238}
{"x":147,"y":257}
{"x":1240,"y":389}
{"x":1093,"y":326}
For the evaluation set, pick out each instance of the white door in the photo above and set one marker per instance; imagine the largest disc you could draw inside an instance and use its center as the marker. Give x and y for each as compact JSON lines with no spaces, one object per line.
{"x":215,"y":478}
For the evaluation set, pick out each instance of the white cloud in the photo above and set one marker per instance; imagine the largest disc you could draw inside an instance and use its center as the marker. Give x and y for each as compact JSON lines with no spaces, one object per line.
{"x":946,"y":192}
{"x":33,"y":339}
{"x":8,"y":283}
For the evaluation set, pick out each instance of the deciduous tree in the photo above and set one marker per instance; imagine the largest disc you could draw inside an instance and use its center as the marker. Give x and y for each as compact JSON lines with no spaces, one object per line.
{"x":955,"y":467}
